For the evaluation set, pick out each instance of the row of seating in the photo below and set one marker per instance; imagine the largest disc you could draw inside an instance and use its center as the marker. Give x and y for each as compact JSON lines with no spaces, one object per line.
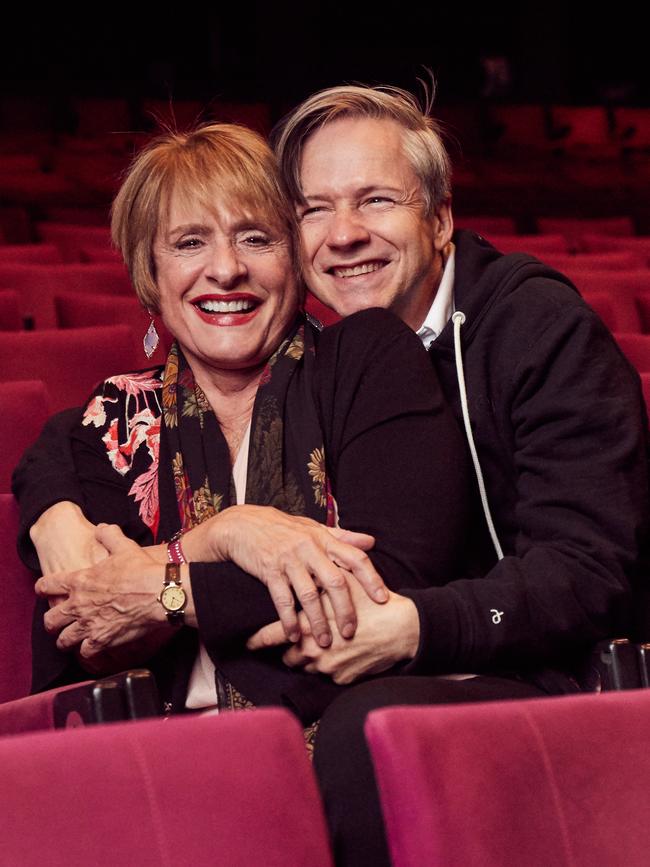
{"x":597,"y":129}
{"x":572,"y":770}
{"x":548,"y":781}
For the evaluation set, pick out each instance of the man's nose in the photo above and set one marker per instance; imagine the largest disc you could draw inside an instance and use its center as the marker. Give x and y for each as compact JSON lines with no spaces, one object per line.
{"x":225,"y":266}
{"x":347,"y":229}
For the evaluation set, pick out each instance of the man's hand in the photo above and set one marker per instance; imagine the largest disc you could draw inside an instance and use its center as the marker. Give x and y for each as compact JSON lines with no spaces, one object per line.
{"x":386,"y":634}
{"x":290,"y":555}
{"x":108,"y":605}
{"x":65,"y":540}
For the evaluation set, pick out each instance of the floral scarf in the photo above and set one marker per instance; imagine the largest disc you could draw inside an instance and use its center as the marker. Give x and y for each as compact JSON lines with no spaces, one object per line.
{"x":286,"y":463}
{"x":159,"y":431}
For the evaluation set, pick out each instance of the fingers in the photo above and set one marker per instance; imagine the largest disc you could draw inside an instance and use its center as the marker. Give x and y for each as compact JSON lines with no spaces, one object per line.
{"x":57,"y":618}
{"x":268,"y":636}
{"x":52,"y":585}
{"x":360,"y":565}
{"x":112,"y":538}
{"x":333,"y":581}
{"x":363,"y":541}
{"x":285,"y":605}
{"x":310,"y":599}
{"x":71,"y":636}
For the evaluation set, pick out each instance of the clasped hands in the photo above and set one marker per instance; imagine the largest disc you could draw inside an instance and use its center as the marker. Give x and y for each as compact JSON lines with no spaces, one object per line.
{"x":343,"y":630}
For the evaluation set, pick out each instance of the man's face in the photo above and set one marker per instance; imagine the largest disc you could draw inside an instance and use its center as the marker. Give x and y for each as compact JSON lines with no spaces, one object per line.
{"x":365,"y":239}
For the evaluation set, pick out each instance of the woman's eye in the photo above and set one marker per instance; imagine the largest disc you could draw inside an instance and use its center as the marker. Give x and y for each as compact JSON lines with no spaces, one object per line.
{"x":256,"y":240}
{"x":189,"y":244}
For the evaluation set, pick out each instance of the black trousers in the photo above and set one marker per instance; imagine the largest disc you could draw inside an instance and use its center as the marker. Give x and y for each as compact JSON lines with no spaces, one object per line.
{"x":342,"y":759}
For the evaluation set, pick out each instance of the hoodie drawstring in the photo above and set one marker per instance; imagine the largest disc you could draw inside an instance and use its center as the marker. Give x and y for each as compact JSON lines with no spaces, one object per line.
{"x":458,"y":319}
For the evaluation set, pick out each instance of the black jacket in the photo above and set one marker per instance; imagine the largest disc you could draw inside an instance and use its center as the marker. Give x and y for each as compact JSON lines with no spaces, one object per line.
{"x":560,"y":429}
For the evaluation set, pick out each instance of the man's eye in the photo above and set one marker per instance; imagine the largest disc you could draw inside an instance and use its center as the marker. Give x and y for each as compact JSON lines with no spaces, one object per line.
{"x":311,"y":211}
{"x":379,"y":200}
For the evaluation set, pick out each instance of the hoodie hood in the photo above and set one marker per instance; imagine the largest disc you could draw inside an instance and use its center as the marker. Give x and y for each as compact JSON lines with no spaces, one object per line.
{"x":500,"y":275}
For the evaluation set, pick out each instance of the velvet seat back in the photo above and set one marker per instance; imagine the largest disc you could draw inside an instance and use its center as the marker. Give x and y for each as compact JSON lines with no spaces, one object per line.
{"x":557,"y":781}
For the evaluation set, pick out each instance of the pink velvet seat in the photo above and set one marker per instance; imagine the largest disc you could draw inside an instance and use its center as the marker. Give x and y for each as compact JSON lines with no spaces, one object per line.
{"x":131,"y":695}
{"x":557,"y":781}
{"x":71,"y":238}
{"x":70,"y":363}
{"x":37,"y":285}
{"x":25,"y":409}
{"x":74,"y":310}
{"x":636,"y":347}
{"x":10,"y":316}
{"x":617,"y":311}
{"x":574,"y":228}
{"x":536,"y":245}
{"x":44,"y":254}
{"x":234,"y":790}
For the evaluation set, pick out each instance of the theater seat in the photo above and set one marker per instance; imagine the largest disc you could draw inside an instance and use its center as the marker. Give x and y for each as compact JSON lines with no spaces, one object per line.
{"x":10,"y":317}
{"x":235,"y":790}
{"x":617,"y":312}
{"x":25,"y":409}
{"x":37,"y":285}
{"x":70,"y":238}
{"x":130,"y":695}
{"x":574,"y":228}
{"x":74,"y":310}
{"x":550,"y":781}
{"x":316,"y":308}
{"x":70,"y":363}
{"x":536,"y":245}
{"x":636,"y":347}
{"x":44,"y":254}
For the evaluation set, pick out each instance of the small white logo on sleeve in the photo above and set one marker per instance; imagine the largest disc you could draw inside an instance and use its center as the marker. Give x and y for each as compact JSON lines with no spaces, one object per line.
{"x":496,"y":615}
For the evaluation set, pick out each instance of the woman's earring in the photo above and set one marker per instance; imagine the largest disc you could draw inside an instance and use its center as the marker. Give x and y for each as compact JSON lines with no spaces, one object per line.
{"x":151,"y":339}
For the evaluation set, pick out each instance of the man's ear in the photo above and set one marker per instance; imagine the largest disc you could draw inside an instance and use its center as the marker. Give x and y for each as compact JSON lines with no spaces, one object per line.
{"x":443,"y":225}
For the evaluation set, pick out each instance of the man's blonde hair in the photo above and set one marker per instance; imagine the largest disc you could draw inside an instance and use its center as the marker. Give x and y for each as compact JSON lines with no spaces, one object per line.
{"x":214,"y":164}
{"x":422,"y":141}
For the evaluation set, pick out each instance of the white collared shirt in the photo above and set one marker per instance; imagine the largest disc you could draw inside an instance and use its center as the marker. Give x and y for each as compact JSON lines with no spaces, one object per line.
{"x":442,"y":308}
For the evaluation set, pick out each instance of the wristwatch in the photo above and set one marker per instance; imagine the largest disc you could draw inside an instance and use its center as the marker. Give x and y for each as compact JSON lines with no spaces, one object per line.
{"x":172,"y":597}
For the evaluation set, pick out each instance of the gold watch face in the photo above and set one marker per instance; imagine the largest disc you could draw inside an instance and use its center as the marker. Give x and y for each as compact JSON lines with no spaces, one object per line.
{"x":173,"y":598}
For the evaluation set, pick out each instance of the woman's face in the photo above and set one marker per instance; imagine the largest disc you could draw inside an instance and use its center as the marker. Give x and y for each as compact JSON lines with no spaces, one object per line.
{"x":227,"y":288}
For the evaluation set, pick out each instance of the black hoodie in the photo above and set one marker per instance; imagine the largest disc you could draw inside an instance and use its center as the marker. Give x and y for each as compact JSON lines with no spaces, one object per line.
{"x":560,"y":430}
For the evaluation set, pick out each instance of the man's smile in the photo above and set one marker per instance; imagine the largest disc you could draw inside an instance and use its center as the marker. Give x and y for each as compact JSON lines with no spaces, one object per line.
{"x":357,"y":270}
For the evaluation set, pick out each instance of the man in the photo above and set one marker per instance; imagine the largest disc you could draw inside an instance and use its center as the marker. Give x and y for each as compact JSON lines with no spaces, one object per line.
{"x":556,"y":414}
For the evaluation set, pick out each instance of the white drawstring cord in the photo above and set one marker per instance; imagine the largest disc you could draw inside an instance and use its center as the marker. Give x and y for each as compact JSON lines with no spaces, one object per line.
{"x":458,"y":319}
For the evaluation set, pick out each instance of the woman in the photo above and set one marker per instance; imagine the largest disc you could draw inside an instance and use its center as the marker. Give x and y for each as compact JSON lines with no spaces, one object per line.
{"x":253,"y":406}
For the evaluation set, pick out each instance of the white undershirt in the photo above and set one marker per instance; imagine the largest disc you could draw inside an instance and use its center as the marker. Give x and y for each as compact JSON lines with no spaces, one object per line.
{"x":442,"y":308}
{"x":202,"y":690}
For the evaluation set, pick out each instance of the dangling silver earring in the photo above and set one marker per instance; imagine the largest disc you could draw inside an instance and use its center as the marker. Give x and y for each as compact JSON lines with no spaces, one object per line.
{"x":151,"y":339}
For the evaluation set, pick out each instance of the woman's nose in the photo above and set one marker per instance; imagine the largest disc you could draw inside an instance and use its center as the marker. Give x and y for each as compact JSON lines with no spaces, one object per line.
{"x":346,"y":229}
{"x":225,"y":266}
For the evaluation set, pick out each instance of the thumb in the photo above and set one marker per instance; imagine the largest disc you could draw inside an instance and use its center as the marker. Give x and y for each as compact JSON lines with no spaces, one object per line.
{"x":363,"y":541}
{"x":268,"y":636}
{"x":112,"y":538}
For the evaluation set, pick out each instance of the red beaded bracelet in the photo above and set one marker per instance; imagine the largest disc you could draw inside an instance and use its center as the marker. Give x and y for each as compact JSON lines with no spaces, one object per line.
{"x":175,"y":551}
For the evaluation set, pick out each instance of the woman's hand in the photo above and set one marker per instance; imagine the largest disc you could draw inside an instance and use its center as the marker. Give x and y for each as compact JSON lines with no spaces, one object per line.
{"x":290,"y":554}
{"x":386,"y":634}
{"x":111,"y":604}
{"x":65,"y":540}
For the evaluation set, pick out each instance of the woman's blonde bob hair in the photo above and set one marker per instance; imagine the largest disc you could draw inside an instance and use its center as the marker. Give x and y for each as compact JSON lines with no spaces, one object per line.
{"x":215,"y":165}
